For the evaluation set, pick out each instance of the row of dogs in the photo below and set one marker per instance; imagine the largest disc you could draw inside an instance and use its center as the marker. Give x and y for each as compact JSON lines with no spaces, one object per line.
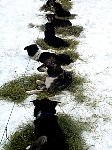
{"x":57,"y":78}
{"x":54,"y":22}
{"x":48,"y":133}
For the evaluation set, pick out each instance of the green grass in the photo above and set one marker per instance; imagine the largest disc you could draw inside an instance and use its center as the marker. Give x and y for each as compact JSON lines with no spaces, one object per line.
{"x":67,"y":4}
{"x":45,"y":46}
{"x":76,"y":88}
{"x":24,"y":135}
{"x":15,"y":89}
{"x":66,"y":31}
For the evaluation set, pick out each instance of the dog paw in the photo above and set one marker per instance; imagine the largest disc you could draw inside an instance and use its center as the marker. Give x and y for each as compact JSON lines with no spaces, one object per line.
{"x":38,"y":81}
{"x":28,"y":92}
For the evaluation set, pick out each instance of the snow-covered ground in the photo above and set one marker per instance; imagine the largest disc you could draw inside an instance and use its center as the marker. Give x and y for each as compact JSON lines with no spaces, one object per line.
{"x":94,"y":48}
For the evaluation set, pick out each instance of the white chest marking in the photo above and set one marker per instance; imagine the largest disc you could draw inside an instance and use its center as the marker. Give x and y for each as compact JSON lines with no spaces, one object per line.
{"x":48,"y":81}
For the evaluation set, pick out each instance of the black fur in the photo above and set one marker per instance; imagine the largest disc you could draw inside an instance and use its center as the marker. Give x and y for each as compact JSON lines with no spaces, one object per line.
{"x":60,"y":12}
{"x":31,"y":49}
{"x":63,"y":59}
{"x":58,"y":22}
{"x":62,"y":78}
{"x":51,"y":39}
{"x":46,"y":124}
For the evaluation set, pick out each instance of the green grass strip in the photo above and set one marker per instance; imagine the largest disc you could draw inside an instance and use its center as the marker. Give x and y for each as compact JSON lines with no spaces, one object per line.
{"x":24,"y":135}
{"x":45,"y":46}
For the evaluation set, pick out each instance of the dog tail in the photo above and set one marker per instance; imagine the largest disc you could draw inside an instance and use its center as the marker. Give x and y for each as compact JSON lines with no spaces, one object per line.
{"x":38,"y":143}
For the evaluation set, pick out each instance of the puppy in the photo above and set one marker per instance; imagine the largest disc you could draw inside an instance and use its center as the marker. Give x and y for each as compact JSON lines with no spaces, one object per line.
{"x":50,"y":37}
{"x":58,"y":22}
{"x":49,"y":135}
{"x":35,"y":54}
{"x":57,"y":79}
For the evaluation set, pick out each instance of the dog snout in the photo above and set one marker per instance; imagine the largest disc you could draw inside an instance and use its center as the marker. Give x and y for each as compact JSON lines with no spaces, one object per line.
{"x":42,"y":68}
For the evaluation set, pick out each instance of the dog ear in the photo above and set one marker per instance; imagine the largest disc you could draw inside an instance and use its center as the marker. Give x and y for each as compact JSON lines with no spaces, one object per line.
{"x":55,"y":103}
{"x":26,"y":48}
{"x":33,"y":46}
{"x":35,"y":102}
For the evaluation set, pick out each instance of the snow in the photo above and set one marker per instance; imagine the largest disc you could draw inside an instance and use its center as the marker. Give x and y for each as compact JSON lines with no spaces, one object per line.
{"x":94,"y":48}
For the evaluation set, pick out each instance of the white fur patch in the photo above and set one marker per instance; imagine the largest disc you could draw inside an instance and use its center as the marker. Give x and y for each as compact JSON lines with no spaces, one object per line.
{"x":37,"y":55}
{"x":48,"y":81}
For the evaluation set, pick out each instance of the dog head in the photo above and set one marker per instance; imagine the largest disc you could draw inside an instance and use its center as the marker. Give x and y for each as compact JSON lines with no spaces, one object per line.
{"x":50,"y":17}
{"x":57,"y":6}
{"x":44,"y":106}
{"x":33,"y":51}
{"x":42,"y":68}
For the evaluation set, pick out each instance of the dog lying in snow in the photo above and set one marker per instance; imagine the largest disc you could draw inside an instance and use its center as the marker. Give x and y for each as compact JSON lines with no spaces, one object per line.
{"x":59,"y":10}
{"x":50,"y":37}
{"x":58,"y":22}
{"x":57,"y":79}
{"x":49,"y":135}
{"x":35,"y":54}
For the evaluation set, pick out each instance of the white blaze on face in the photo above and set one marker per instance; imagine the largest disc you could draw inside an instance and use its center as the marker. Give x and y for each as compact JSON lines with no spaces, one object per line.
{"x":48,"y":81}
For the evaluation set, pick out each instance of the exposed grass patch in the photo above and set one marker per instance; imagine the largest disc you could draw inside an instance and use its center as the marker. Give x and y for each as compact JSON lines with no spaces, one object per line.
{"x":76,"y":88}
{"x":66,"y":31}
{"x":67,"y":4}
{"x":45,"y":46}
{"x":73,"y":130}
{"x":15,"y":90}
{"x":24,"y":135}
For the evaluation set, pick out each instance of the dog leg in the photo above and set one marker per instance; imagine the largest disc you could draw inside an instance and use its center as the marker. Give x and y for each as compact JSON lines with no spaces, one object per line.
{"x":33,"y":91}
{"x":39,"y":82}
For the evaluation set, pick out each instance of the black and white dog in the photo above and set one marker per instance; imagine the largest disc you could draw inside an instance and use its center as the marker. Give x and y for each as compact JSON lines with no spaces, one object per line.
{"x":57,"y":79}
{"x":49,"y":135}
{"x":51,"y":39}
{"x":59,"y":10}
{"x":35,"y":54}
{"x":58,"y":22}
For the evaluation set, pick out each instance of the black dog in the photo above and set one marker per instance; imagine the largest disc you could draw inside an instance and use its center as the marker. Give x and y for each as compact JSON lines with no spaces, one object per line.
{"x":59,"y":11}
{"x":58,"y":22}
{"x":57,"y":79}
{"x":36,"y":54}
{"x":48,"y":132}
{"x":50,"y":37}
